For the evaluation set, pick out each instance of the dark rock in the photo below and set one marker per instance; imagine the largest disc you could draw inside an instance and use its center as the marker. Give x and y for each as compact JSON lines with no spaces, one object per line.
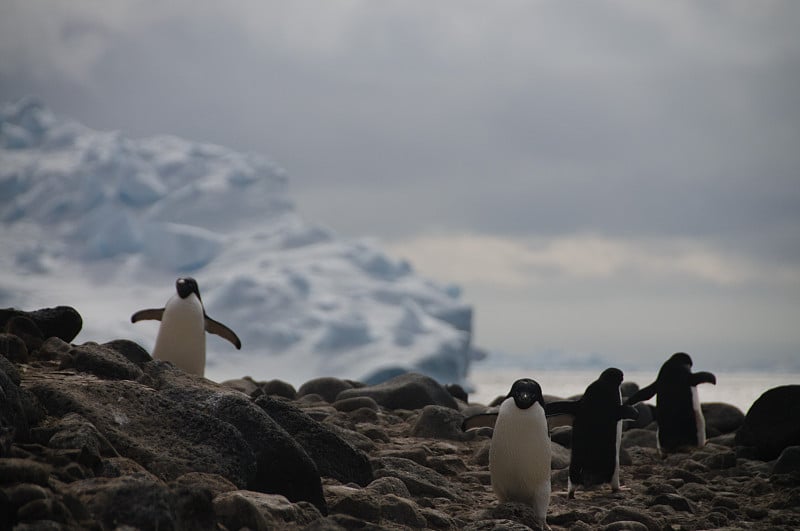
{"x":645,"y":418}
{"x":437,"y":520}
{"x":244,"y":385}
{"x":628,"y":389}
{"x":257,"y":510}
{"x":352,"y":404}
{"x":360,"y":503}
{"x":214,"y":483}
{"x":559,"y":456}
{"x":696,"y":492}
{"x":401,"y":511}
{"x":456,"y":391}
{"x":679,"y":503}
{"x":720,"y":460}
{"x":771,"y":423}
{"x":625,"y":525}
{"x":498,"y":525}
{"x":721,"y":418}
{"x":54,"y":348}
{"x":389,"y":485}
{"x":562,"y":435}
{"x":18,"y":408}
{"x":570,"y":517}
{"x":16,"y":470}
{"x":25,"y":329}
{"x":639,"y":437}
{"x":63,"y":322}
{"x":406,"y":391}
{"x":420,"y":480}
{"x":788,"y":462}
{"x":130,"y":350}
{"x":439,"y":422}
{"x":327,"y":387}
{"x":629,"y":514}
{"x":101,"y":361}
{"x":515,"y":512}
{"x":13,"y":348}
{"x":45,"y":509}
{"x":279,"y":388}
{"x":21,"y":493}
{"x":333,"y":455}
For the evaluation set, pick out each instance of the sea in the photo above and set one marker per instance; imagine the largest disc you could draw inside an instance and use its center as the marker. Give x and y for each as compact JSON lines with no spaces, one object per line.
{"x":739,"y":389}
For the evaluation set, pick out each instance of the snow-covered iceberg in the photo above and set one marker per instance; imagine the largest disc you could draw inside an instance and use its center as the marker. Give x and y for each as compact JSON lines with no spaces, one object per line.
{"x":106,"y":223}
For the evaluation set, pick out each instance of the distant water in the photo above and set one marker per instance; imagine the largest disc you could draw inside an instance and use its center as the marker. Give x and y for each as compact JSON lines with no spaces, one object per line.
{"x":740,"y":389}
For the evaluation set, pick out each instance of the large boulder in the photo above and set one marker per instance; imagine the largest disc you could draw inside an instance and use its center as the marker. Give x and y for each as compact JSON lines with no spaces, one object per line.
{"x":63,"y":322}
{"x":721,"y":418}
{"x":406,"y":391}
{"x":333,"y":455}
{"x":772,"y":423}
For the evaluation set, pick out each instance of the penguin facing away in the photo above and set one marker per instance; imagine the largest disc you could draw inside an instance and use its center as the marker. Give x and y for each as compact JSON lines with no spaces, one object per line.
{"x":681,"y":425}
{"x":181,"y":336}
{"x":596,"y":431}
{"x":519,"y":455}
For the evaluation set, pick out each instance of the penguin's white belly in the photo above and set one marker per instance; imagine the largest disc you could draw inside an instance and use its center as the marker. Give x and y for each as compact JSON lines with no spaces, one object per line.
{"x":519,"y":457}
{"x":699,"y":419}
{"x":181,"y":337}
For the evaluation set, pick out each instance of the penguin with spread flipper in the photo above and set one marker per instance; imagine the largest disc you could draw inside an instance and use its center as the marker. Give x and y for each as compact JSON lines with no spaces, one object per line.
{"x":181,"y":336}
{"x":681,"y":425}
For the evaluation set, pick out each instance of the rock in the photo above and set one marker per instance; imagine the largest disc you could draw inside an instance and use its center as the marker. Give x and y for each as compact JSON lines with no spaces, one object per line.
{"x":628,"y":514}
{"x":720,"y":460}
{"x":13,"y":348}
{"x":54,"y":348}
{"x":279,"y":388}
{"x":244,"y":385}
{"x":562,"y":435}
{"x":244,"y":508}
{"x":401,"y":511}
{"x":353,"y":404}
{"x":498,"y":525}
{"x":625,"y":525}
{"x":145,"y":504}
{"x":628,"y":389}
{"x":696,"y":492}
{"x":406,"y":391}
{"x":214,"y":483}
{"x":788,"y":462}
{"x":679,"y":503}
{"x":456,"y":391}
{"x":326,"y":387}
{"x":101,"y":361}
{"x":420,"y":480}
{"x":721,"y":418}
{"x":771,"y":423}
{"x":18,"y":408}
{"x":639,"y":437}
{"x":559,"y":456}
{"x":438,"y":422}
{"x":63,"y":322}
{"x":515,"y":512}
{"x":333,"y":455}
{"x":26,"y":330}
{"x":360,"y":503}
{"x":16,"y":470}
{"x":389,"y":485}
{"x":645,"y":418}
{"x":131,"y":351}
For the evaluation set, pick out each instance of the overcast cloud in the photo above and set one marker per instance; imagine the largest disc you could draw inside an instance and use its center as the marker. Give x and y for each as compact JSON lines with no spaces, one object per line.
{"x":612,"y":177}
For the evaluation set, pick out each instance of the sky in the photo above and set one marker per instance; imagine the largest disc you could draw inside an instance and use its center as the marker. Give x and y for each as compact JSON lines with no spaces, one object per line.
{"x":617,"y":179}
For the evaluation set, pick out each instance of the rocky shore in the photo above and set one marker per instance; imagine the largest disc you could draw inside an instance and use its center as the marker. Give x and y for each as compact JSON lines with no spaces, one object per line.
{"x":103,"y":437}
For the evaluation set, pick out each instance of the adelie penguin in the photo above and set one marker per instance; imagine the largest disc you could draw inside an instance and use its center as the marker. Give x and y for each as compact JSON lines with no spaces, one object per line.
{"x":596,"y":431}
{"x":181,"y":336}
{"x":681,"y":425}
{"x":519,"y":455}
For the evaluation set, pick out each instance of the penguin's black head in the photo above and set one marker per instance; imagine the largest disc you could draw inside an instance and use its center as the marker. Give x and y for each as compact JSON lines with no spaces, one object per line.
{"x":186,"y":286}
{"x":680,"y":358}
{"x":525,"y":393}
{"x":612,"y":375}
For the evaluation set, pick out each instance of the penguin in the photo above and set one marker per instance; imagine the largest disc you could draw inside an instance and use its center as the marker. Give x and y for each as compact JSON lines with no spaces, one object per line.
{"x":519,"y":455}
{"x":596,"y":431}
{"x":181,"y":336}
{"x":681,"y":425}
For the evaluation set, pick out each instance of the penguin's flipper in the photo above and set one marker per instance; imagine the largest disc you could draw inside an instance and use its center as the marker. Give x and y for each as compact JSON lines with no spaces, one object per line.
{"x":645,"y":393}
{"x":153,"y":314}
{"x":481,"y":420}
{"x":703,"y":377}
{"x":215,"y":327}
{"x":561,"y":413}
{"x":627,"y":413}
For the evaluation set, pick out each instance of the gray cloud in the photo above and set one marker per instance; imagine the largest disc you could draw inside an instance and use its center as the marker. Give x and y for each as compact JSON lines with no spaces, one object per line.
{"x":630,"y":120}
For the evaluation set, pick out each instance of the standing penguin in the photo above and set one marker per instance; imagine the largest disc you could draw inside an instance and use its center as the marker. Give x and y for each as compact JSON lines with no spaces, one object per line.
{"x":519,"y":456}
{"x":181,"y":337}
{"x":681,"y":424}
{"x":596,"y":431}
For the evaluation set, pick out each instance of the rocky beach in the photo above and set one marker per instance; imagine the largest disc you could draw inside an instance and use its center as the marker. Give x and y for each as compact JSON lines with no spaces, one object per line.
{"x":100,"y":436}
